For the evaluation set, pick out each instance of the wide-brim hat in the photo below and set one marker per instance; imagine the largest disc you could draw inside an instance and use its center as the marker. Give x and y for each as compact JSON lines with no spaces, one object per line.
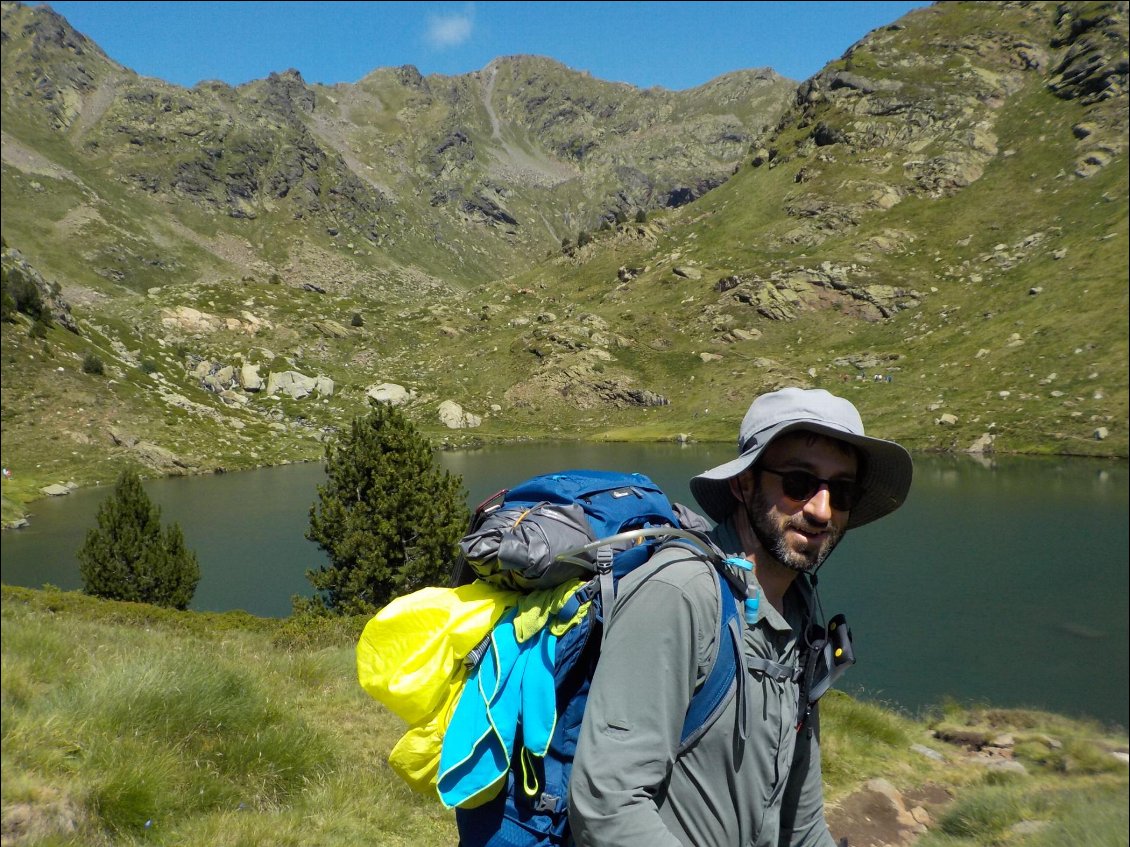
{"x":887,"y":468}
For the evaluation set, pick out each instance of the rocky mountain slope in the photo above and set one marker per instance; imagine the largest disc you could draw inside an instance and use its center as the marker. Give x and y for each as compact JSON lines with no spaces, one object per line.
{"x":936,"y":224}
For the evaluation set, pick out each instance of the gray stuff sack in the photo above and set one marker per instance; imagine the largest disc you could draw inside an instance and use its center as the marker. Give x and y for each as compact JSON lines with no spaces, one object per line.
{"x":517,"y":548}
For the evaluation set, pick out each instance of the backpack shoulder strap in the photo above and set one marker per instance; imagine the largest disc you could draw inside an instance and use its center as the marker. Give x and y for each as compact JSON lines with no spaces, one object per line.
{"x":725,"y":676}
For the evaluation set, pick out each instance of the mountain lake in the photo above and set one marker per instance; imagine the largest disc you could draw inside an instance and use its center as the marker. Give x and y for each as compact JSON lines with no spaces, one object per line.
{"x":1002,"y":581}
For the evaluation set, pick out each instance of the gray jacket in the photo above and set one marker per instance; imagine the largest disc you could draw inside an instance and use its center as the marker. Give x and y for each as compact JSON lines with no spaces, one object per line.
{"x":631,"y":785}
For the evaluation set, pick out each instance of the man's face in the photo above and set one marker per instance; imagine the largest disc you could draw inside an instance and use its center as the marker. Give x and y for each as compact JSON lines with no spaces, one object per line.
{"x":799,"y":533}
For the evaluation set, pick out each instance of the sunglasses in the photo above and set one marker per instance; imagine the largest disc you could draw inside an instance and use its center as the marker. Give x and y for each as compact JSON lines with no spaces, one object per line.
{"x":801,"y":485}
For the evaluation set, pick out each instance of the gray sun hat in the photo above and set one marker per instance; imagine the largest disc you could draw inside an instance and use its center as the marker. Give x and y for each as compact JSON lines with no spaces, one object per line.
{"x":887,"y":467}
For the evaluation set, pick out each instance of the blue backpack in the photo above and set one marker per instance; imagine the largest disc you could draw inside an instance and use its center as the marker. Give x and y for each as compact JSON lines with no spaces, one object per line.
{"x":598,"y":526}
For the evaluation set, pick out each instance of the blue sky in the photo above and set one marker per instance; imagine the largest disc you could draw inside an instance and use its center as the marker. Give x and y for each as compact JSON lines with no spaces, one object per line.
{"x":676,"y":45}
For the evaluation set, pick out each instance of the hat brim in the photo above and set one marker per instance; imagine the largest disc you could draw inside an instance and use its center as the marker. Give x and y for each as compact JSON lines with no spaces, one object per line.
{"x":887,"y":473}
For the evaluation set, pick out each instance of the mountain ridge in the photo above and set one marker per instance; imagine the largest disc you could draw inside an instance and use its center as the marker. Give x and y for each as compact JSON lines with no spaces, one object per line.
{"x":566,"y":257}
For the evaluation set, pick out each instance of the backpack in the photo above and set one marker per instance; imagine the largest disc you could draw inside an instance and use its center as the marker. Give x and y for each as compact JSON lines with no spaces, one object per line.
{"x":595,"y":526}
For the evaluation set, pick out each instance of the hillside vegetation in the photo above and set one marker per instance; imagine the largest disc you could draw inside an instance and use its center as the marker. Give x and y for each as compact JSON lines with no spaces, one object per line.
{"x":934,"y":225}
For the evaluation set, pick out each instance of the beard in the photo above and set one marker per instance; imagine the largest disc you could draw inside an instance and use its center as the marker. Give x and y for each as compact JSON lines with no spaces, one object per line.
{"x":771,"y":528}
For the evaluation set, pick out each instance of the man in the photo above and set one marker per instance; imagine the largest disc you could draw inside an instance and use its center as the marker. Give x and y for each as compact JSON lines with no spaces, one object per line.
{"x":805,"y":474}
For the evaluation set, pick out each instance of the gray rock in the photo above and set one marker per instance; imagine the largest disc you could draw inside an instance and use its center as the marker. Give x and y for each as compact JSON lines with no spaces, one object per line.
{"x":452,"y":415}
{"x":391,"y":393}
{"x":160,"y":459}
{"x":55,"y":490}
{"x":984,"y":444}
{"x":234,"y":398}
{"x":928,"y":752}
{"x":122,"y":438}
{"x":249,"y":378}
{"x":292,"y":383}
{"x":330,"y":329}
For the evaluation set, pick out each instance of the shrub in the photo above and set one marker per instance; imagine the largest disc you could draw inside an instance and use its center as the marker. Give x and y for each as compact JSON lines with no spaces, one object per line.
{"x":357,"y":320}
{"x":388,"y":517}
{"x":92,"y":364}
{"x":149,"y":366}
{"x":20,"y":294}
{"x":641,"y":216}
{"x":127,"y":556}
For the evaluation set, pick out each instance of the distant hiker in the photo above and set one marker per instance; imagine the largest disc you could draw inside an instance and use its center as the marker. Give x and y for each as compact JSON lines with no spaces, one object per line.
{"x":805,"y":474}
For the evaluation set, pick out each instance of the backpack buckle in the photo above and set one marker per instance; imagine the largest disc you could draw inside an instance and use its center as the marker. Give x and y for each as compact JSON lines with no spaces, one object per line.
{"x":604,"y":559}
{"x":547,"y":803}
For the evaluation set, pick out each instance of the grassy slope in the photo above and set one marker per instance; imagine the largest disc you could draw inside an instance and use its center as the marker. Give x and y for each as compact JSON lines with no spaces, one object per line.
{"x":1075,"y":328}
{"x":127,"y":724}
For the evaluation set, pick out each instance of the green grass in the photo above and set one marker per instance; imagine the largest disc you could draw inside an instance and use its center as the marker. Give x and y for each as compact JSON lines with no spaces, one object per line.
{"x":128,"y":724}
{"x":142,"y":731}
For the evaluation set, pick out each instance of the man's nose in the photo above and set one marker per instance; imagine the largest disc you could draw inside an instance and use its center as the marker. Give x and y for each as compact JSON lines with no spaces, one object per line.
{"x":819,"y":505}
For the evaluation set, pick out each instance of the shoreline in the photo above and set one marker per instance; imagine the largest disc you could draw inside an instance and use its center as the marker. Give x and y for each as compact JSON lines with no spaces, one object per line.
{"x":21,"y":515}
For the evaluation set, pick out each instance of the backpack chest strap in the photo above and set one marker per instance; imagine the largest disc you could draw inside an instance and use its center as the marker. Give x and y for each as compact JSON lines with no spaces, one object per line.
{"x":773,"y":670}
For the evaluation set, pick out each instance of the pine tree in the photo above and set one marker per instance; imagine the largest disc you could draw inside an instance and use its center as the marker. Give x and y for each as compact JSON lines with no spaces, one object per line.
{"x":388,"y":517}
{"x":127,"y":556}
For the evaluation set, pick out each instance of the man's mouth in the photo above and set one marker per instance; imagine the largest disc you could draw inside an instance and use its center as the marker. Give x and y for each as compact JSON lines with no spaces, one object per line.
{"x":809,"y":534}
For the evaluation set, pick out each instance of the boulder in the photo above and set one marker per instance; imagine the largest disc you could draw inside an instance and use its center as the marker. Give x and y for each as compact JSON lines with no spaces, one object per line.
{"x":452,"y":415}
{"x":160,"y":459}
{"x":249,"y":378}
{"x":391,"y":393}
{"x":293,"y":383}
{"x":55,"y":490}
{"x":330,"y":329}
{"x":122,"y":438}
{"x":984,"y":444}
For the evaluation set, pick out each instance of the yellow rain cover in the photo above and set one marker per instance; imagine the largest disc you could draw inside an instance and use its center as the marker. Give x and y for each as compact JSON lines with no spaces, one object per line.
{"x":410,"y":658}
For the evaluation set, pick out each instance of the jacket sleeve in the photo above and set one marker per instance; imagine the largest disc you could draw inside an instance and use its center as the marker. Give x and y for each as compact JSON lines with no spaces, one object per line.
{"x":802,"y":813}
{"x":630,"y":735}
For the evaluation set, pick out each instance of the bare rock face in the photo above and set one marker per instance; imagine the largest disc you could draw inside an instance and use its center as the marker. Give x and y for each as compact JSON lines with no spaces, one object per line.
{"x":1093,"y":65}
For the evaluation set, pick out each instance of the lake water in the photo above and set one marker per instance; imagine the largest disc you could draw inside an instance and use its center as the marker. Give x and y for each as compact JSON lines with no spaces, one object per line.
{"x":1003,"y":583}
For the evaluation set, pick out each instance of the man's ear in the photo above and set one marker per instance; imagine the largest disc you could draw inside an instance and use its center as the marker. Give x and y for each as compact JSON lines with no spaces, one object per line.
{"x":744,"y":480}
